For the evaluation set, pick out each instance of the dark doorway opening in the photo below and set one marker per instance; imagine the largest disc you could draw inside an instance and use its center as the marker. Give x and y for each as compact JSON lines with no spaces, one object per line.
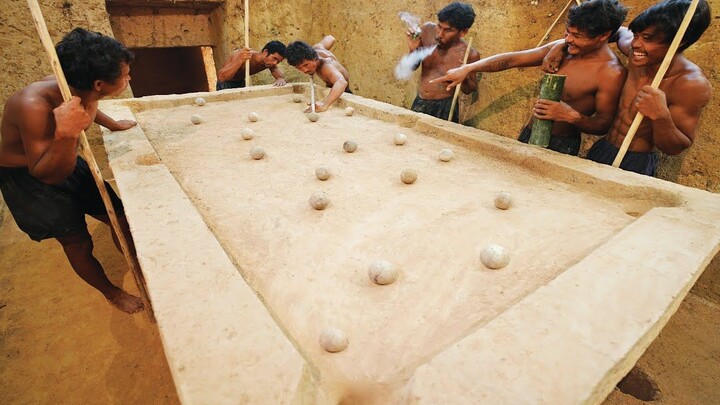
{"x":158,"y":71}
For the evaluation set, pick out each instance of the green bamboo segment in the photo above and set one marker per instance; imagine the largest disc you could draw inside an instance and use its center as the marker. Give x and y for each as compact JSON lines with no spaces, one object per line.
{"x":551,"y":88}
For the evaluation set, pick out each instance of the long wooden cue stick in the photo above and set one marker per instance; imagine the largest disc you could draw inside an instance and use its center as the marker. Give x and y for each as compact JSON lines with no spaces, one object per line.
{"x":656,"y":80}
{"x":85,"y":150}
{"x":457,"y":88}
{"x":312,"y":93}
{"x":247,"y":42}
{"x":547,"y":33}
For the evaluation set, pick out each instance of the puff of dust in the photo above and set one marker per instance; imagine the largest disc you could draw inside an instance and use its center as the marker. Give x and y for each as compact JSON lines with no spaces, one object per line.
{"x":404,"y":69}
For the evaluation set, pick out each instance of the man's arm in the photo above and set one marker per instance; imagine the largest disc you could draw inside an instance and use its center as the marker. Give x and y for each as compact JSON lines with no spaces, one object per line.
{"x":496,"y":63}
{"x":233,"y":64}
{"x":51,"y":159}
{"x":469,"y":85}
{"x":108,"y":122}
{"x":331,"y":74}
{"x":674,"y":126}
{"x":278,"y":75}
{"x":624,"y":38}
{"x":610,"y":84}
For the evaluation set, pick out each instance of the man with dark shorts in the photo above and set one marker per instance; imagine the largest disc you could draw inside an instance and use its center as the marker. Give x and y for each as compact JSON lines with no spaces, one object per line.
{"x":454,"y":21}
{"x":48,"y":188}
{"x":594,"y":75}
{"x":232,"y":74}
{"x":318,"y":59}
{"x":671,"y":113}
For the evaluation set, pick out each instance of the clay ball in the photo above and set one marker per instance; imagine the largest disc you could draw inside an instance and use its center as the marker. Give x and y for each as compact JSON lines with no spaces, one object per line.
{"x":382,"y":273}
{"x":350,"y":146}
{"x":322,"y":173}
{"x":494,"y":257}
{"x":408,"y":176}
{"x":313,"y":116}
{"x":333,"y":340}
{"x":247,"y":134}
{"x":196,"y":119}
{"x":349,"y":111}
{"x":253,"y":117}
{"x":200,"y":101}
{"x":400,"y":139}
{"x":296,"y":98}
{"x":257,"y":153}
{"x":446,"y":155}
{"x":319,"y":200}
{"x":503,"y":201}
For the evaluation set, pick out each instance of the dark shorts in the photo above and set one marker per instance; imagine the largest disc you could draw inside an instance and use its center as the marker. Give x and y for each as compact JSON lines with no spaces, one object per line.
{"x":49,"y":211}
{"x":639,"y":162}
{"x":569,"y":145}
{"x":232,"y":84}
{"x":347,"y":89}
{"x":436,"y":108}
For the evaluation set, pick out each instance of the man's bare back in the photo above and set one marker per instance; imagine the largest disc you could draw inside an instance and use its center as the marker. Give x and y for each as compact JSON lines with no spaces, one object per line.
{"x":328,"y":63}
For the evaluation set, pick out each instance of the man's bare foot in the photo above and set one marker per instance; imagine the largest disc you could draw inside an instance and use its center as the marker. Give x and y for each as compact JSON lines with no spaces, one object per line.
{"x":125,"y":302}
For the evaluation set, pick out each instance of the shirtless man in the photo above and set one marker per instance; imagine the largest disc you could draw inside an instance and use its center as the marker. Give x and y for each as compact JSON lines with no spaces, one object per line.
{"x":318,"y":59}
{"x":48,"y":188}
{"x":232,"y":74}
{"x":594,"y":75}
{"x":454,"y":21}
{"x":672,"y":111}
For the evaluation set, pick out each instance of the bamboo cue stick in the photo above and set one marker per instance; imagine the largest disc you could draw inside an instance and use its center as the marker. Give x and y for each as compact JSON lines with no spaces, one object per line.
{"x":656,"y":81}
{"x":312,"y":93}
{"x":247,"y":42}
{"x":457,"y":88}
{"x":85,"y":150}
{"x":547,"y":33}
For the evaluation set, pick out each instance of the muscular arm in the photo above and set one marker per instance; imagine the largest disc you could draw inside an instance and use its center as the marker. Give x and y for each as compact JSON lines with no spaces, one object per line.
{"x":108,"y":122}
{"x":469,"y":85}
{"x":233,"y":64}
{"x":331,"y":74}
{"x":51,"y":152}
{"x":624,"y":39}
{"x":674,"y":126}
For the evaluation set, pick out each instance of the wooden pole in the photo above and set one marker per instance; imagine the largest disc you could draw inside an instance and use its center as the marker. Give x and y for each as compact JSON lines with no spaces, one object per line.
{"x":656,"y":81}
{"x":550,"y":89}
{"x":312,"y":93}
{"x":547,"y":33}
{"x":86,"y":152}
{"x":457,"y":88}
{"x":247,"y":42}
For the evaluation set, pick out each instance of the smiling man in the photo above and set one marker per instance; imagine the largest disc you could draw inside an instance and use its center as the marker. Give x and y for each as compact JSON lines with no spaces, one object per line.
{"x":48,"y":188}
{"x":672,"y":111}
{"x":594,"y":75}
{"x":232,"y":74}
{"x":318,"y":59}
{"x":454,"y":21}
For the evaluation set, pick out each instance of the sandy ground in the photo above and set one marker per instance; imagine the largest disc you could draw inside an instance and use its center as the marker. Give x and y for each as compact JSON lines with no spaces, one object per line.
{"x":62,"y":343}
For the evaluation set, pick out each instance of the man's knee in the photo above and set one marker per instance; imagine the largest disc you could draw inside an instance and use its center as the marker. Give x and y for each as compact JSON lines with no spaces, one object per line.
{"x":76,"y":243}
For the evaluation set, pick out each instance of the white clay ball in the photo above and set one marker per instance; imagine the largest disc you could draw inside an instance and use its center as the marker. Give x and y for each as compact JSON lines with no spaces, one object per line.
{"x":333,"y":340}
{"x":382,"y":272}
{"x":247,"y":134}
{"x":319,"y":200}
{"x":349,"y":111}
{"x":196,"y":119}
{"x":446,"y":155}
{"x":200,"y":101}
{"x":253,"y":117}
{"x":257,"y":153}
{"x":408,"y":176}
{"x":313,"y":116}
{"x":503,"y":201}
{"x":400,"y":139}
{"x":350,"y":146}
{"x":296,"y":98}
{"x":322,"y":173}
{"x":494,"y":257}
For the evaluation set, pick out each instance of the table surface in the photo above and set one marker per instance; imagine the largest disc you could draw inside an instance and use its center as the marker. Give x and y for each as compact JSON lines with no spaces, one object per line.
{"x":262,"y":273}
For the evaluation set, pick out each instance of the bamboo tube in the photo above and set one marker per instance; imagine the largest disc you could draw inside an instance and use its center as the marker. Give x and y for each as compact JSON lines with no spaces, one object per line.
{"x":656,"y":81}
{"x":457,"y":88}
{"x":247,"y":42}
{"x":550,"y":89}
{"x":86,"y":152}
